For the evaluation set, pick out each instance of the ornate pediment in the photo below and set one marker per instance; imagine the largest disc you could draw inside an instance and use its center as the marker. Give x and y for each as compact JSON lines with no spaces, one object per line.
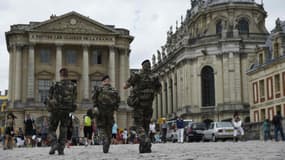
{"x":73,"y":23}
{"x":96,"y":75}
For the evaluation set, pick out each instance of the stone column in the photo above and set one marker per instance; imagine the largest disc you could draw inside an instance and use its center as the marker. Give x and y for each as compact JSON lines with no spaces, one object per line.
{"x":154,"y":107}
{"x":163,"y":99}
{"x":58,"y":64}
{"x":18,"y":73}
{"x":159,"y":111}
{"x":174,"y":92}
{"x":112,"y":71}
{"x":231,"y":70}
{"x":169,"y":97}
{"x":85,"y":73}
{"x":10,"y":90}
{"x":124,"y":68}
{"x":31,"y":74}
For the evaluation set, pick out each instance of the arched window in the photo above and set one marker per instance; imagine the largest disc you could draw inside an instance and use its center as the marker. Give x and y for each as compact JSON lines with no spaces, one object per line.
{"x":219,"y":27}
{"x":208,"y":86}
{"x":243,"y":26}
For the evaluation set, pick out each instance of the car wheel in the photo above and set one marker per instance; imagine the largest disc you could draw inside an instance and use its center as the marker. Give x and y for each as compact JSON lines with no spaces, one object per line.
{"x":214,"y":139}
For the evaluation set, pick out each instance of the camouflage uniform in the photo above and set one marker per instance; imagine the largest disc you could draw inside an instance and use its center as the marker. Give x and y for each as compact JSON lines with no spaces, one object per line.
{"x":60,"y":103}
{"x":106,"y":100}
{"x":144,"y":87}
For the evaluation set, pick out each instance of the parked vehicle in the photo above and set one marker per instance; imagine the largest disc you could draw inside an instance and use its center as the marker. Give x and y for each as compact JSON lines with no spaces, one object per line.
{"x":195,"y":131}
{"x":172,"y":130}
{"x":219,"y":130}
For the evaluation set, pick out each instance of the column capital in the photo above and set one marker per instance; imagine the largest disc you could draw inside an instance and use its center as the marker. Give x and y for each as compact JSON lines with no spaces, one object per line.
{"x":86,"y":45}
{"x":58,"y":45}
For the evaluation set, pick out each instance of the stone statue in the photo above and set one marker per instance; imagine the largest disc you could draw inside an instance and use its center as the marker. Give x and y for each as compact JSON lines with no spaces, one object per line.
{"x":158,"y":56}
{"x":153,"y":59}
{"x":194,"y":3}
{"x":176,"y":25}
{"x":278,"y":25}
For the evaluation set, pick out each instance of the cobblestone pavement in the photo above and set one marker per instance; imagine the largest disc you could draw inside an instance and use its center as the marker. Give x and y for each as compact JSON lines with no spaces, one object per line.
{"x":250,"y":150}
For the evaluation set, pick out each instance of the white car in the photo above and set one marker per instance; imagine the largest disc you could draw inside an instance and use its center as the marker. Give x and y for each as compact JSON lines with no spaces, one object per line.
{"x":219,"y":130}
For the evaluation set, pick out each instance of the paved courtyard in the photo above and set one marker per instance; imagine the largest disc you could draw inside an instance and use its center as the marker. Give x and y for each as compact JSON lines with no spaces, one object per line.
{"x":250,"y":150}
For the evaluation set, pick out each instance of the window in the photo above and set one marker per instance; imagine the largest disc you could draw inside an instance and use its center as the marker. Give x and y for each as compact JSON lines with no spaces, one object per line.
{"x":71,"y":56}
{"x":45,"y":55}
{"x":166,"y":97}
{"x":276,"y":50}
{"x":243,"y":26}
{"x":261,"y":88}
{"x":261,"y":60}
{"x":43,"y":88}
{"x":208,"y":86}
{"x":219,"y":27}
{"x":95,"y":83}
{"x":96,"y":57}
{"x":277,"y":83}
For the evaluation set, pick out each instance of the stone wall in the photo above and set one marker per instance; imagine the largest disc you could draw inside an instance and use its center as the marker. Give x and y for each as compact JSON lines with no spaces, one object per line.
{"x":254,"y":131}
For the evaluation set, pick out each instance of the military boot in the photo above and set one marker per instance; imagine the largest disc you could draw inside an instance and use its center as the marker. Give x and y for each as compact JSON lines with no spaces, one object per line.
{"x":145,"y":145}
{"x":106,"y":145}
{"x":61,"y":151}
{"x":53,"y":148}
{"x":148,"y":145}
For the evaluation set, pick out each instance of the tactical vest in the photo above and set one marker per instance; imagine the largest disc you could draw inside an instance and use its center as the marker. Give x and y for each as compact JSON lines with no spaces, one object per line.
{"x":145,"y":89}
{"x":108,"y":96}
{"x":64,"y":94}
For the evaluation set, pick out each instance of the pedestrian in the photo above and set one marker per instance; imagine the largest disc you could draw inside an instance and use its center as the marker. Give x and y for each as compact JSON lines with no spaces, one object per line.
{"x":20,"y":138}
{"x":88,"y":127}
{"x":277,"y":122}
{"x":237,"y":124}
{"x":106,"y":101}
{"x":164,"y":131}
{"x":114,"y":133}
{"x":180,"y":129}
{"x":44,"y":131}
{"x":144,"y":87}
{"x":69,"y":130}
{"x":152,"y":131}
{"x":266,"y":130}
{"x":125,"y":136}
{"x":9,"y":131}
{"x":29,"y":129}
{"x":61,"y":102}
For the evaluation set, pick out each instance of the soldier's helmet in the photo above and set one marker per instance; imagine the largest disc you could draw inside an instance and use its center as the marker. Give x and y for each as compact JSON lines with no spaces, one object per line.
{"x":105,"y":77}
{"x":146,"y":64}
{"x":63,"y":72}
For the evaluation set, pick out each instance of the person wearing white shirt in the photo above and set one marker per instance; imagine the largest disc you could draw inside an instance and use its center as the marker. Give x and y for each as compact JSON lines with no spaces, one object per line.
{"x":152,"y":131}
{"x":237,"y":124}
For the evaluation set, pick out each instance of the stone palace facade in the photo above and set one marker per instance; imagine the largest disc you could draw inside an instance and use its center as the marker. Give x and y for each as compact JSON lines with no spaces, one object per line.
{"x":203,"y":64}
{"x":87,"y":48}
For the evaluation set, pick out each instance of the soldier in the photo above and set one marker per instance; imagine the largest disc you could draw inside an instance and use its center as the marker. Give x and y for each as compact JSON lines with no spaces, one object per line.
{"x":106,"y":100}
{"x":144,"y":87}
{"x":61,"y":102}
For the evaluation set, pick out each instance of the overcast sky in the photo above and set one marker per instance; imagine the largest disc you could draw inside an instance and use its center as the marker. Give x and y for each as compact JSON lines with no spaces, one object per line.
{"x":147,"y":20}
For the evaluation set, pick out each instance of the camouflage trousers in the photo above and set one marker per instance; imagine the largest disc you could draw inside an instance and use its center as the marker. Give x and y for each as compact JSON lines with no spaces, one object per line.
{"x":105,"y":122}
{"x":56,"y":118}
{"x":142,"y":117}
